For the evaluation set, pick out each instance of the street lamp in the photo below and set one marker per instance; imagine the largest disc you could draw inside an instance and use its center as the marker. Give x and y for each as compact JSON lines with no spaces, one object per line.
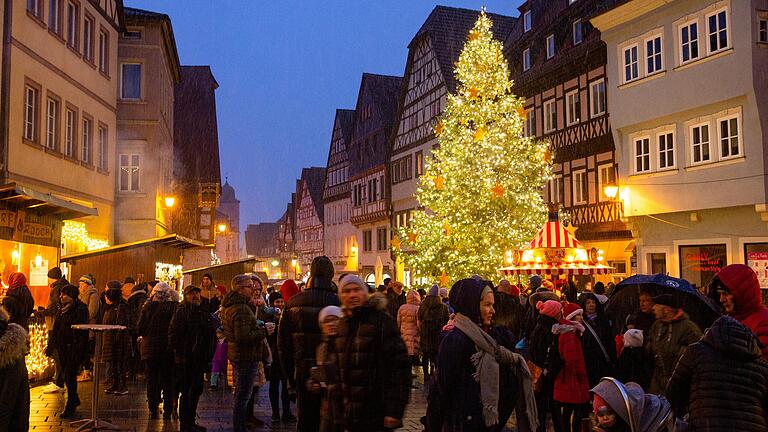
{"x":275,"y":263}
{"x":611,"y":190}
{"x":222,"y":227}
{"x":170,"y":201}
{"x":353,"y":249}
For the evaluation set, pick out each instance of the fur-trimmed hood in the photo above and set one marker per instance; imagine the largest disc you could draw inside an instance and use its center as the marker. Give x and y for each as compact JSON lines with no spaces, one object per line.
{"x":13,"y":345}
{"x":566,"y":326}
{"x":376,"y":301}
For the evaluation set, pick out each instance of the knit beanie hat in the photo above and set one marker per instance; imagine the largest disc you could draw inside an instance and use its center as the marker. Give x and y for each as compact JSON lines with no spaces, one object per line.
{"x":274,"y":297}
{"x":633,"y":338}
{"x":570,"y":310}
{"x":71,"y":291}
{"x":329,"y":311}
{"x":289,"y":289}
{"x":354,"y":280}
{"x":321,"y":267}
{"x":503,"y":286}
{"x":549,"y":308}
{"x":114,"y":295}
{"x":443,"y":292}
{"x":86,"y":279}
{"x":434,"y":290}
{"x":55,"y":273}
{"x":548,"y":285}
{"x":534,"y":282}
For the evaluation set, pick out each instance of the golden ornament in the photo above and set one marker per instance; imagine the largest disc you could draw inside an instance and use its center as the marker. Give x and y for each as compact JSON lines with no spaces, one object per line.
{"x":444,"y":280}
{"x":412,"y":237}
{"x":498,"y":190}
{"x":480,"y":133}
{"x":439,"y":183}
{"x":474,"y":93}
{"x":548,"y":156}
{"x":439,"y":128}
{"x":396,"y":242}
{"x":522,"y":113}
{"x":447,"y":229}
{"x":474,"y":35}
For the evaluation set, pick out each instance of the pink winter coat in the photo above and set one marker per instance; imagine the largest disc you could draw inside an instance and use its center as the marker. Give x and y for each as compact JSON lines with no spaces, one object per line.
{"x":407,"y":321}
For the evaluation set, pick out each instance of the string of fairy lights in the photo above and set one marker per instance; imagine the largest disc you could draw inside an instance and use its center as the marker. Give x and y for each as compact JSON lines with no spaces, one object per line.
{"x":481,"y":191}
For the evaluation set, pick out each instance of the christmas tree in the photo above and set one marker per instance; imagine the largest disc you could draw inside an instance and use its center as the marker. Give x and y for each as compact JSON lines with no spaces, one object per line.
{"x":480,"y":195}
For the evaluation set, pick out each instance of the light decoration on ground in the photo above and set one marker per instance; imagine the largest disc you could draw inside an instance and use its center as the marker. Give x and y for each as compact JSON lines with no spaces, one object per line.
{"x":484,"y":180}
{"x":37,"y":362}
{"x":77,"y":233}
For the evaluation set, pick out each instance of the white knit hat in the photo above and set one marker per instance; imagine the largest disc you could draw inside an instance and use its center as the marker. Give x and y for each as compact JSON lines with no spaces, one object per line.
{"x":633,"y":338}
{"x":329,"y":311}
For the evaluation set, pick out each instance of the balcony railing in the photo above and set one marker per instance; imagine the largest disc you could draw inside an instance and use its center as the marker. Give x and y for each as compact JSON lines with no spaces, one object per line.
{"x":369,"y":212}
{"x":587,"y":137}
{"x":608,"y":211}
{"x":336,"y":190}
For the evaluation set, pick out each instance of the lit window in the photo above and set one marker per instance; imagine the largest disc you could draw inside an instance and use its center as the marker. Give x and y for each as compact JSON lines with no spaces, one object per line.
{"x":653,"y":55}
{"x":717,"y":29}
{"x":607,"y":177}
{"x":642,"y":155}
{"x":129,"y":172}
{"x":597,"y":97}
{"x":550,"y":46}
{"x":666,"y":143}
{"x":578,"y":35}
{"x":700,"y":143}
{"x":689,"y":42}
{"x":631,"y":71}
{"x":526,"y":59}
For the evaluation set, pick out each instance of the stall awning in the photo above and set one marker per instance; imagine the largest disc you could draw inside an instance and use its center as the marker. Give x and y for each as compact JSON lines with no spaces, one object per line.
{"x":562,"y":268}
{"x":172,"y":240}
{"x":25,"y":198}
{"x":554,"y":235}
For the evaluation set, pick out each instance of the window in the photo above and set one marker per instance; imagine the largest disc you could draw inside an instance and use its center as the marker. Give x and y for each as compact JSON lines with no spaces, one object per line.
{"x":653,"y":56}
{"x":556,"y":190}
{"x":103,"y":148}
{"x":129,"y":172}
{"x":700,"y":143}
{"x":527,"y":21}
{"x":573,"y":112}
{"x":597,"y":97}
{"x":630,"y":64}
{"x":34,"y":7}
{"x":642,"y":155}
{"x":580,"y":187}
{"x":607,"y":177}
{"x":419,"y":163}
{"x":54,"y":16}
{"x":87,"y":132}
{"x":550,"y":116}
{"x":31,"y":110}
{"x":70,"y":133}
{"x":700,"y":263}
{"x":88,"y":39}
{"x":578,"y":34}
{"x":132,"y":34}
{"x":381,"y":239}
{"x":130,"y":81}
{"x":762,"y":32}
{"x":717,"y":29}
{"x":73,"y":22}
{"x":729,"y":137}
{"x":657,"y":262}
{"x":52,"y":124}
{"x":526,"y":59}
{"x":104,"y":51}
{"x":689,"y":42}
{"x":367,"y":241}
{"x":530,"y":123}
{"x":550,"y":46}
{"x":666,"y":143}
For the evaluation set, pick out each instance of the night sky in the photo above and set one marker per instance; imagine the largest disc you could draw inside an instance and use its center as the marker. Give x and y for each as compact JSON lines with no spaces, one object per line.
{"x":283,"y":67}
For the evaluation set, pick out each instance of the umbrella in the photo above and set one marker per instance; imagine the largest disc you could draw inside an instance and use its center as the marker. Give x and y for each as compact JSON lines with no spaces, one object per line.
{"x":626,"y":298}
{"x":378,"y":271}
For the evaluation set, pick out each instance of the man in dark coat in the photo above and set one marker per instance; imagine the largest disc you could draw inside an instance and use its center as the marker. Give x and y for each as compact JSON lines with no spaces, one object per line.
{"x":72,"y":345}
{"x":299,"y":335}
{"x":136,"y":300}
{"x":722,"y":381}
{"x":191,"y":336}
{"x":276,"y":375}
{"x":154,"y":321}
{"x":14,"y":384}
{"x":395,"y":297}
{"x":211,"y":299}
{"x":115,"y":347}
{"x":18,"y":301}
{"x":372,"y":360}
{"x":56,"y":281}
{"x":432,"y":317}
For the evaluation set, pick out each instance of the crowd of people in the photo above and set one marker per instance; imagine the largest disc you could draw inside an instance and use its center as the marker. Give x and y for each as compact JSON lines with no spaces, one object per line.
{"x":348,"y":355}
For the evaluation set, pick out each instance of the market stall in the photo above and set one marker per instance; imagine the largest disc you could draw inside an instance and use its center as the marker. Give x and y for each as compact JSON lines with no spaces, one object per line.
{"x":222,"y":273}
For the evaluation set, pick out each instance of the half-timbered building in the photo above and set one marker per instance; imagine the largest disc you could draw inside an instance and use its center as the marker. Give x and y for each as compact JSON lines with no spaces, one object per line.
{"x":429,"y":77}
{"x":558,"y":63}
{"x":339,"y":235}
{"x":309,"y":217}
{"x":375,"y":116}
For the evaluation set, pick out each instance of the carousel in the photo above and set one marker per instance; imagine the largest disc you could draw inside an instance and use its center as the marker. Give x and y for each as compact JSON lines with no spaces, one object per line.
{"x":555,"y":251}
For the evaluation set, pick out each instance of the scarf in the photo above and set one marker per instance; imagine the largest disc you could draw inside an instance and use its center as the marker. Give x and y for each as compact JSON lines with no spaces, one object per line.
{"x":486,"y":361}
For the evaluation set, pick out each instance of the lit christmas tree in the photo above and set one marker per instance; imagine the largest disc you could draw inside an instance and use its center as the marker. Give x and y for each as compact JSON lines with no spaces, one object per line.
{"x":481,"y":190}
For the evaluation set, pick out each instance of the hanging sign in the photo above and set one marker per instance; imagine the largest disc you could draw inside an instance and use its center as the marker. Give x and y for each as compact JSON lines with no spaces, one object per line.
{"x":21,"y":227}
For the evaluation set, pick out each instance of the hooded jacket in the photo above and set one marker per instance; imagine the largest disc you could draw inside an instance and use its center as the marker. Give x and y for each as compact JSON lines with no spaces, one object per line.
{"x":90,"y":297}
{"x":135,"y":302}
{"x":571,"y":383}
{"x":408,"y":322}
{"x":20,"y":305}
{"x":244,"y":334}
{"x":14,"y":384}
{"x":374,"y":366}
{"x":667,"y":342}
{"x":749,"y":309}
{"x":722,"y":381}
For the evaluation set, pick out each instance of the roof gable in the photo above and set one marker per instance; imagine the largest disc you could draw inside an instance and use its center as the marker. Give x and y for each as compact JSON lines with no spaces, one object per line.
{"x":314,"y":179}
{"x":340,"y":137}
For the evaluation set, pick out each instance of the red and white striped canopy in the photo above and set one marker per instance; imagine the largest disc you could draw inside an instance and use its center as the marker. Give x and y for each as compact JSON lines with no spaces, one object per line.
{"x":561,"y":269}
{"x":554,"y":235}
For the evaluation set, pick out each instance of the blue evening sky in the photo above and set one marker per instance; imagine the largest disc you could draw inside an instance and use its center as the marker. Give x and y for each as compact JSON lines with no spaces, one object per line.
{"x":283,"y":68}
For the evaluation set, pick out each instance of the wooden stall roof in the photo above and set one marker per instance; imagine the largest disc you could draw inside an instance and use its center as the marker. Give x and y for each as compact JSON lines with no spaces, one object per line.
{"x":218,"y":266}
{"x":172,"y":240}
{"x":23,"y":197}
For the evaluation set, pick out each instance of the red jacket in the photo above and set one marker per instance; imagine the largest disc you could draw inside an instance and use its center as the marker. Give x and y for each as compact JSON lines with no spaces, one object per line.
{"x":571,"y":383}
{"x":749,"y":309}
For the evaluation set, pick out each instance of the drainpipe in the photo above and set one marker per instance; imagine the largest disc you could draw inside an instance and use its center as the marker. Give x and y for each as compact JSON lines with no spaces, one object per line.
{"x":5,"y":86}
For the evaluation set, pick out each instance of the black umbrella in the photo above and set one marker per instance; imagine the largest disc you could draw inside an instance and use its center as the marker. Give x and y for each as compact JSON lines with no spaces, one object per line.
{"x":626,"y":299}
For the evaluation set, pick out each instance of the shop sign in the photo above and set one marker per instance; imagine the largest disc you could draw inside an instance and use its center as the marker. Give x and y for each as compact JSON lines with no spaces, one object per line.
{"x":758,"y":261}
{"x":21,"y":227}
{"x":38,"y":275}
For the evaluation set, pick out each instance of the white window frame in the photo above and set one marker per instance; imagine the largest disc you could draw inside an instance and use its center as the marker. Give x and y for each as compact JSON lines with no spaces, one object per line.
{"x":70,"y":132}
{"x":577,"y":24}
{"x":636,"y":155}
{"x":666,"y":133}
{"x":554,"y":190}
{"x":526,"y":59}
{"x":72,"y":12}
{"x":527,"y":21}
{"x":31,"y":109}
{"x":551,"y":48}
{"x":729,"y":42}
{"x":102,"y":135}
{"x":595,"y":102}
{"x":650,"y":59}
{"x":132,"y":170}
{"x":692,"y":145}
{"x":739,"y":136}
{"x":89,"y":24}
{"x":86,"y":149}
{"x":681,"y":44}
{"x":762,"y":29}
{"x":52,"y":108}
{"x":625,"y":65}
{"x":575,"y":111}
{"x":602,"y":181}
{"x":551,"y":116}
{"x":579,"y":179}
{"x":529,"y":129}
{"x":103,"y":42}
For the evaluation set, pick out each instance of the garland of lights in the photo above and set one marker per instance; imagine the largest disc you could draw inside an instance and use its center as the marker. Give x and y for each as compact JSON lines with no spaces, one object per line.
{"x":480,"y":194}
{"x":76,"y":232}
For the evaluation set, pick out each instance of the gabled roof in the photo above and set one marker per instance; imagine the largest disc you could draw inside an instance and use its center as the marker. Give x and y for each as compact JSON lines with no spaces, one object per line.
{"x":135,"y":16}
{"x":447,"y":29}
{"x":345,"y":118}
{"x":314,"y":178}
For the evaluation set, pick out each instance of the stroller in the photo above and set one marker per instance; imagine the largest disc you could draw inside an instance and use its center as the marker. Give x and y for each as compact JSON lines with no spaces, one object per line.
{"x":642,"y":412}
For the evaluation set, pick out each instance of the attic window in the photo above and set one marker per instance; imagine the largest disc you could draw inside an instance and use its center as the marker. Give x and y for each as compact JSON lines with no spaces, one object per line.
{"x":132,"y":34}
